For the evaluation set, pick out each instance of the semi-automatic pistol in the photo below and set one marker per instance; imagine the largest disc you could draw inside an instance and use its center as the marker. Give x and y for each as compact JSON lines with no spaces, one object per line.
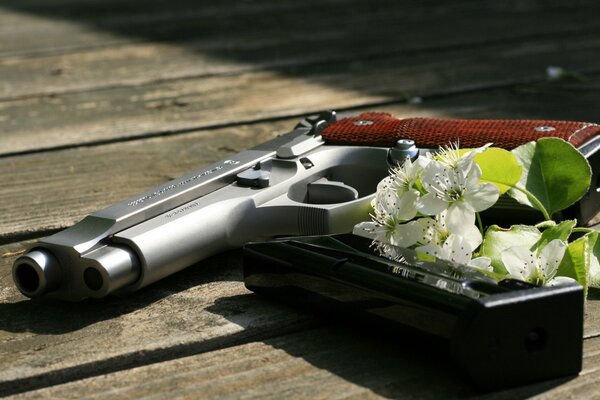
{"x":317,"y":179}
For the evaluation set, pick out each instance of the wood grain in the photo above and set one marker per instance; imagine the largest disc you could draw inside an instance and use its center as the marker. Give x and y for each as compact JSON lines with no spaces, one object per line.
{"x":53,"y":50}
{"x":45,"y":28}
{"x":182,"y":105}
{"x":321,"y":363}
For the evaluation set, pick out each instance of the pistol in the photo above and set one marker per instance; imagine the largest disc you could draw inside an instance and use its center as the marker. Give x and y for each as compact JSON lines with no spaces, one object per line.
{"x":317,"y":179}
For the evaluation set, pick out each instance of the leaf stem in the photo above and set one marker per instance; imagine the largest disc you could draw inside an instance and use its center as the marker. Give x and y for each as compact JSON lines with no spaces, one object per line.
{"x":583,"y":230}
{"x":479,"y":222}
{"x":534,"y":200}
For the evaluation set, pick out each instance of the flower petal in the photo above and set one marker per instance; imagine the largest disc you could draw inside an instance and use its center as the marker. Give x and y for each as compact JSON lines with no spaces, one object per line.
{"x":551,"y":256}
{"x":434,"y":250}
{"x":482,"y":196}
{"x":422,"y":162}
{"x":386,"y":204}
{"x":471,"y":173}
{"x":366,"y":229}
{"x":472,"y":153}
{"x":429,"y":230}
{"x":431,"y":173}
{"x":519,"y":262}
{"x":484,"y":263}
{"x":406,"y":206}
{"x":471,"y":236}
{"x":385,"y":184}
{"x":560,"y":280}
{"x":413,"y":169}
{"x":407,"y":234}
{"x":459,"y":215}
{"x":457,"y":249}
{"x":430,"y":204}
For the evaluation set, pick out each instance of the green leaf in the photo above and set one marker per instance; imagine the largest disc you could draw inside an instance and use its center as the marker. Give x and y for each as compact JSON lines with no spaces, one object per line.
{"x":554,"y":172}
{"x":500,"y":167}
{"x":497,"y":240}
{"x":594,"y":272}
{"x":561,"y":231}
{"x":425,"y":257}
{"x":576,"y":261}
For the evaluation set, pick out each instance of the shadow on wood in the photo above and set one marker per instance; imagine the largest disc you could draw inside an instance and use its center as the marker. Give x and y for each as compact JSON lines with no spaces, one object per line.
{"x":390,"y":363}
{"x":302,"y":38}
{"x":46,"y":316}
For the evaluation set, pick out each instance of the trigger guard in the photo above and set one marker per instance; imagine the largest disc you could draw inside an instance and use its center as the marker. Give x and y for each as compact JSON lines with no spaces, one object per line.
{"x":324,"y":191}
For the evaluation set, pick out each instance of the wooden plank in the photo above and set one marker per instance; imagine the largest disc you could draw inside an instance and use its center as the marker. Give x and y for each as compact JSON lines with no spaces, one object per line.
{"x":208,"y":48}
{"x":42,"y":29}
{"x":32,"y":198}
{"x":317,"y":364}
{"x":200,"y":309}
{"x":163,"y":108}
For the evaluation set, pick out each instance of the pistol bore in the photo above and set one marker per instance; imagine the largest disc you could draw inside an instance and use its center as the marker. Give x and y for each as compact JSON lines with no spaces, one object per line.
{"x":37,"y":273}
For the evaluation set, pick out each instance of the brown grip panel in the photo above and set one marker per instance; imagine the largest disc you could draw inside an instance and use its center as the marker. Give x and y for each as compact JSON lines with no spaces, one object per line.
{"x":383,"y":129}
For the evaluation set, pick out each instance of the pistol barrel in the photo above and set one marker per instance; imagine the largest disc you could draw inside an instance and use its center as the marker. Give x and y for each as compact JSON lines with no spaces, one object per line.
{"x":100,"y":272}
{"x":36,"y":273}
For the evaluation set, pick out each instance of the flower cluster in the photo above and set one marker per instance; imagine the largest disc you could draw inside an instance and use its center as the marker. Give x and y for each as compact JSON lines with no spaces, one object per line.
{"x":431,"y":205}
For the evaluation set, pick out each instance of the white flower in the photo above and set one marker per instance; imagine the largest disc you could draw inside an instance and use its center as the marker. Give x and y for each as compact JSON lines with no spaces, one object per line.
{"x":522,"y":264}
{"x":436,"y":230}
{"x":457,"y":190}
{"x":402,"y":235}
{"x":457,"y":250}
{"x":403,"y":178}
{"x":388,"y":205}
{"x":451,"y":157}
{"x":388,"y":239}
{"x":389,"y":212}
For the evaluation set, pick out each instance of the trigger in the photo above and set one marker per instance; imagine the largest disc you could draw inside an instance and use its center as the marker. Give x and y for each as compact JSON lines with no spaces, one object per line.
{"x":324,"y":191}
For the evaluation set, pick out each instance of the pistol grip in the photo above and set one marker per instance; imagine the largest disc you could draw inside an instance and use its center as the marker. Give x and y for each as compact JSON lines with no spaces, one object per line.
{"x":383,"y":129}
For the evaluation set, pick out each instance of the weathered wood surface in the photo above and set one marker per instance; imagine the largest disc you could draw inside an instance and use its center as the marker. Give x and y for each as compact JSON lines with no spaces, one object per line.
{"x":138,"y":103}
{"x":33,"y":28}
{"x":317,"y":363}
{"x":183,"y":105}
{"x":89,"y":59}
{"x":102,"y":99}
